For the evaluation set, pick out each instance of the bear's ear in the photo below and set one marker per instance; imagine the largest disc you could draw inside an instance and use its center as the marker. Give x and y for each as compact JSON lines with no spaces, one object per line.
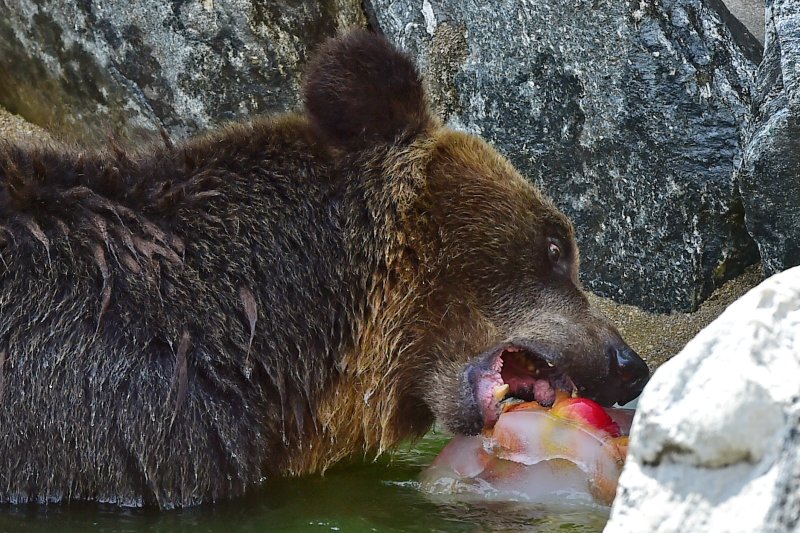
{"x":360,"y":91}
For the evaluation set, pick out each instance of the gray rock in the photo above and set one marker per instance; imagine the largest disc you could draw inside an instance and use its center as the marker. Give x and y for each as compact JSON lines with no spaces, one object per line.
{"x":88,"y":67}
{"x":629,"y":114}
{"x":751,"y":14}
{"x":770,"y":174}
{"x":715,"y":444}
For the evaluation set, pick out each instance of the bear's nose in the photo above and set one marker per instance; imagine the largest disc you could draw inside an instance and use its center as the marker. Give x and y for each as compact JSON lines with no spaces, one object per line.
{"x":628,"y":370}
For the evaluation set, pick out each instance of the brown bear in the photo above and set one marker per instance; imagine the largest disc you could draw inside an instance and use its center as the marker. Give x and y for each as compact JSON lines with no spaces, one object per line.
{"x":177,"y":325}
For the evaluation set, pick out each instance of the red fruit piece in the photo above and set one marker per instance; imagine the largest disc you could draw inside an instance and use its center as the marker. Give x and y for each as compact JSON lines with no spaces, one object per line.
{"x":587,"y":412}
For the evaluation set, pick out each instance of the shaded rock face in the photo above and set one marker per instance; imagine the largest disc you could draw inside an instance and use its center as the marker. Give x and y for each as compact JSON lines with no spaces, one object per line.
{"x":770,"y":174}
{"x":751,"y":14}
{"x":86,"y":67}
{"x":714,"y":446}
{"x":629,"y":114}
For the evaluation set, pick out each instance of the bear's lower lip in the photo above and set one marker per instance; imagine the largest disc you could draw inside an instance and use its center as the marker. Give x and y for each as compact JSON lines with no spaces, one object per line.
{"x":517,"y":374}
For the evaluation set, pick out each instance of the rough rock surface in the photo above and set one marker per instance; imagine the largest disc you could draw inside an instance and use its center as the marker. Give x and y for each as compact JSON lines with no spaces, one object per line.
{"x":770,"y":174}
{"x":15,"y":129}
{"x":629,"y":114}
{"x":715,"y":444}
{"x":85,"y":68}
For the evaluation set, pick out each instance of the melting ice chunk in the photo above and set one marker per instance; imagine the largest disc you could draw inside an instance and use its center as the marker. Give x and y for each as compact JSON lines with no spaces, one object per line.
{"x":572,"y":452}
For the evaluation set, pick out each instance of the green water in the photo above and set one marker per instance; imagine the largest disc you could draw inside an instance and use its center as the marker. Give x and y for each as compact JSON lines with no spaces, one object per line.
{"x":379,"y":496}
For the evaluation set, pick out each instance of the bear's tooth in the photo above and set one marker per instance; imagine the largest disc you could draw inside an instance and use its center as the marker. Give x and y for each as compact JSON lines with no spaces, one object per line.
{"x":500,"y":391}
{"x":508,"y":403}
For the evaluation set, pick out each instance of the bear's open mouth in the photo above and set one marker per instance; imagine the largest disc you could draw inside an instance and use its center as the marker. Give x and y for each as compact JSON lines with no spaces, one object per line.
{"x":518,"y":374}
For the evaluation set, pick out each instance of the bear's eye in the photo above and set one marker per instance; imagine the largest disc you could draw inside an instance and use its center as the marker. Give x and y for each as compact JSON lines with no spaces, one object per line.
{"x":554,"y":251}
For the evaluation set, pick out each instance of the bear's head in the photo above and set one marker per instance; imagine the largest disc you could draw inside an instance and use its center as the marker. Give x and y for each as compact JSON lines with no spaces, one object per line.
{"x":472,"y":296}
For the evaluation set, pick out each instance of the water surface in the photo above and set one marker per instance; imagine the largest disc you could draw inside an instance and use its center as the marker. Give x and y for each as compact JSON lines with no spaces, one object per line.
{"x":379,"y":496}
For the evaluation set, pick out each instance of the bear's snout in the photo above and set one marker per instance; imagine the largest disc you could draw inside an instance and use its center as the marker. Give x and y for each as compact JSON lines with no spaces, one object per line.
{"x":627,"y":376}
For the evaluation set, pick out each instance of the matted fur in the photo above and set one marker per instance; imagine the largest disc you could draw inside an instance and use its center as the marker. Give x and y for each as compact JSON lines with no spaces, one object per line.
{"x":171,"y":318}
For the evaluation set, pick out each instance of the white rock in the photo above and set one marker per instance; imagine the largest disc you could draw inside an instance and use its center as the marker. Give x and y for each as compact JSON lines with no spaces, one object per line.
{"x":715,"y":443}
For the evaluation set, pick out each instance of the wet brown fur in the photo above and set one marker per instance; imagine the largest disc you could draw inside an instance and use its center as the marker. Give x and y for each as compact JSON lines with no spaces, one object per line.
{"x":178,"y":324}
